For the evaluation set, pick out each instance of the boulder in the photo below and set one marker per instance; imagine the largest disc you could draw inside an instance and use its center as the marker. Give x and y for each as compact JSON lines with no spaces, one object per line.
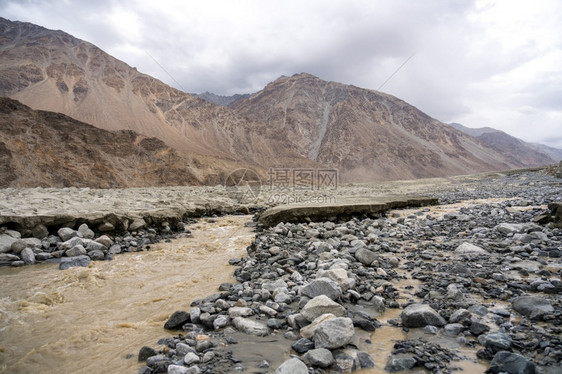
{"x":308,"y":331}
{"x":470,"y":249}
{"x":533,"y":307}
{"x":292,"y":366}
{"x":512,"y":363}
{"x":365,"y":256}
{"x":322,"y":286}
{"x":85,"y":231}
{"x":496,"y":341}
{"x":321,"y":305}
{"x":334,"y":333}
{"x":339,"y":276}
{"x":6,"y":242}
{"x":177,"y":320}
{"x":77,"y":250}
{"x":40,"y":231}
{"x":320,"y":357}
{"x":137,"y":224}
{"x":251,"y":327}
{"x":28,"y":256}
{"x":66,"y":233}
{"x":420,"y":315}
{"x":399,"y":363}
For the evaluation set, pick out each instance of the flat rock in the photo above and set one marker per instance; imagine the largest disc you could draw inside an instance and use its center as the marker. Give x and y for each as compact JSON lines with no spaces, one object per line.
{"x":323,"y":212}
{"x":334,"y":333}
{"x":365,"y":256}
{"x":470,"y":249}
{"x":322,"y":286}
{"x":420,"y":315}
{"x":496,"y":341}
{"x":532,"y":306}
{"x":251,"y":327}
{"x":512,"y":363}
{"x":321,"y":305}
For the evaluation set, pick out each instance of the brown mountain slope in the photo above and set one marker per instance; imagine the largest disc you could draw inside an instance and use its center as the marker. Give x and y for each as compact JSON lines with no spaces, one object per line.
{"x":52,"y":70}
{"x":368,"y":135}
{"x":511,"y":147}
{"x":46,"y":149}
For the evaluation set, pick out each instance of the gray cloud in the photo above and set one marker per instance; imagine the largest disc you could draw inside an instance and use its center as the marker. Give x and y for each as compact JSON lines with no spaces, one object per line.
{"x":480,"y":63}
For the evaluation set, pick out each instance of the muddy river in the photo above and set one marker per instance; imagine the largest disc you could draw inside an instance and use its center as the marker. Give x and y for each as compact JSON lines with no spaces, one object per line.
{"x":95,"y":319}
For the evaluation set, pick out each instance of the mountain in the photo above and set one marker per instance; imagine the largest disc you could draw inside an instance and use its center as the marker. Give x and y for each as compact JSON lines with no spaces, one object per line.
{"x":40,"y":148}
{"x":517,"y":150}
{"x":294,"y":122}
{"x":367,"y":134}
{"x":221,"y":100}
{"x":54,"y":71}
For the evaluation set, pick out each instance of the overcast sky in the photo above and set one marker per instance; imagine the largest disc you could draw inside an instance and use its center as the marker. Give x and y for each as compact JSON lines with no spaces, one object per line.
{"x":479,"y":63}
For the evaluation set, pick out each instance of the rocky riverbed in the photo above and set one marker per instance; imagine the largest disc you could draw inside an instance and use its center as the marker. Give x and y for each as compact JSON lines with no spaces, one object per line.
{"x":487,"y":268}
{"x":473,"y":283}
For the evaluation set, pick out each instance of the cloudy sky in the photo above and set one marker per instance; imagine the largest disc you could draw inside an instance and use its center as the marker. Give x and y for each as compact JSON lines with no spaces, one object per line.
{"x":479,"y":63}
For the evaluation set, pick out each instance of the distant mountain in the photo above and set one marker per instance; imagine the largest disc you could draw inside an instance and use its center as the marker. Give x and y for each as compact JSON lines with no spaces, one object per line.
{"x":221,"y":100}
{"x":294,"y":122}
{"x":39,"y":148}
{"x":367,"y":134}
{"x":515,"y":149}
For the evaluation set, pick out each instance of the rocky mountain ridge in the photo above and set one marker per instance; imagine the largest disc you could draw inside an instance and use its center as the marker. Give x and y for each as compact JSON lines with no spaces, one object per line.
{"x":294,"y":122}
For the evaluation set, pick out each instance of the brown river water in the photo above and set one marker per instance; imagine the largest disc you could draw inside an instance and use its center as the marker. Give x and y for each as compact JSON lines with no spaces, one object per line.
{"x":95,"y":319}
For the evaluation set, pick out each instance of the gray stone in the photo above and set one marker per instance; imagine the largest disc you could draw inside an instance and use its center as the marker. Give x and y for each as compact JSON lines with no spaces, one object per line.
{"x":321,"y":305}
{"x":365,"y":360}
{"x":496,"y":341}
{"x":71,"y":243}
{"x":28,"y":256}
{"x":420,"y":315}
{"x":177,"y":369}
{"x":377,"y":303}
{"x":146,"y":352}
{"x":34,"y":243}
{"x":114,"y":249}
{"x":532,"y":306}
{"x":470,"y":249}
{"x":271,"y":286}
{"x":221,"y":321}
{"x":195,"y":314}
{"x":191,"y":358}
{"x":320,"y":357}
{"x":182,"y":349}
{"x":95,"y":246}
{"x":512,"y":363}
{"x":177,"y":320}
{"x":399,"y":363}
{"x":453,"y":329}
{"x":137,"y":224}
{"x":292,"y":366}
{"x":105,"y":241}
{"x":18,"y":246}
{"x":96,"y":255}
{"x":40,"y":231}
{"x":8,"y":257}
{"x":345,"y":362}
{"x":68,"y":262}
{"x":77,"y":250}
{"x":308,"y":331}
{"x":459,"y":315}
{"x":85,"y":231}
{"x":106,"y":226}
{"x":302,"y":345}
{"x":339,"y":276}
{"x":66,"y":233}
{"x":322,"y":286}
{"x":239,"y":311}
{"x":6,"y":242}
{"x":334,"y":333}
{"x":478,"y":328}
{"x":251,"y":327}
{"x":365,"y":256}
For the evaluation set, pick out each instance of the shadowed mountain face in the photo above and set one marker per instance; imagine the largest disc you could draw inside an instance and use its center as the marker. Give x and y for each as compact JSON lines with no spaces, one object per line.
{"x":298,"y":121}
{"x":516,"y":150}
{"x":39,"y":148}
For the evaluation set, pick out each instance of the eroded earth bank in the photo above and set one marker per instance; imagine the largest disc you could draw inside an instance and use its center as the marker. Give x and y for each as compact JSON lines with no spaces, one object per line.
{"x":473,"y":283}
